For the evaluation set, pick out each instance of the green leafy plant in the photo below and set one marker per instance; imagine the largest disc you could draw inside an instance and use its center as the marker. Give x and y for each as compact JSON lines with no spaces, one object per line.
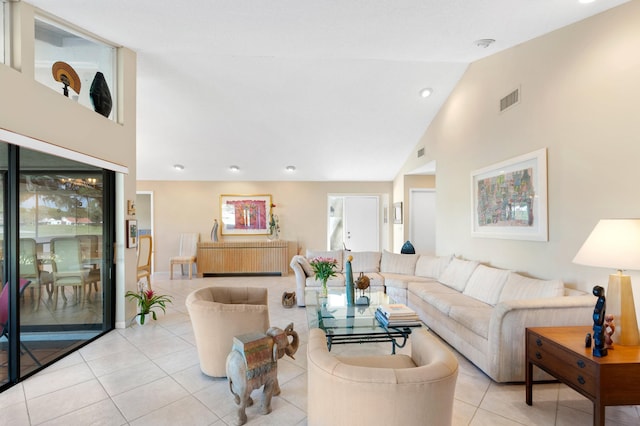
{"x":324,"y":268}
{"x":147,"y":301}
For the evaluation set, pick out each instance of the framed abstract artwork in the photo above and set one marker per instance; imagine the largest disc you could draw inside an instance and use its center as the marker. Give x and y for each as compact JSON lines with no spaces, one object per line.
{"x":245,"y":214}
{"x":509,"y":199}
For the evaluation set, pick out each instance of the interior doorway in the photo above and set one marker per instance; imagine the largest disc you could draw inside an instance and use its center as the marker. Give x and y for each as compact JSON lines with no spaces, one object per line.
{"x":144,"y":215}
{"x":422,"y":220}
{"x":354,"y":222}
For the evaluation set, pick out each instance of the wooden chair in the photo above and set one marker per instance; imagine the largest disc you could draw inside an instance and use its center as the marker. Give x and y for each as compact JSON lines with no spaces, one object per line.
{"x":91,"y":259}
{"x":145,"y":246}
{"x":30,"y":270}
{"x":68,"y":269}
{"x":187,"y":254}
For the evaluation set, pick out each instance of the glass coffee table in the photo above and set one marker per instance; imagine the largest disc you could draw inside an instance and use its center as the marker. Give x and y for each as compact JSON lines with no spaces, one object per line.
{"x":351,"y":324}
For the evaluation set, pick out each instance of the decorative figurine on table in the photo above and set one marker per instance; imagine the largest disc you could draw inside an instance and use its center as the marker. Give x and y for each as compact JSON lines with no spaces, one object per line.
{"x":214,"y":231}
{"x":609,"y":329}
{"x":362,"y":283}
{"x":599,"y":349}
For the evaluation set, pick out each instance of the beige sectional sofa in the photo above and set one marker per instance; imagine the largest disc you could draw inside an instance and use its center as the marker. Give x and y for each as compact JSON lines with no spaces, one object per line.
{"x":479,"y":310}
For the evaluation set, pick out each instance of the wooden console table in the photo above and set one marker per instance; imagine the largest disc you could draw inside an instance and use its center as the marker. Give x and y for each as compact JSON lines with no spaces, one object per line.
{"x":610,"y":380}
{"x":245,"y":257}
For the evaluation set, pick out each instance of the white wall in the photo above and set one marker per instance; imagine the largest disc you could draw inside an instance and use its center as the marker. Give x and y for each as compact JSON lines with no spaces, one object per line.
{"x":28,"y":108}
{"x":580,"y":98}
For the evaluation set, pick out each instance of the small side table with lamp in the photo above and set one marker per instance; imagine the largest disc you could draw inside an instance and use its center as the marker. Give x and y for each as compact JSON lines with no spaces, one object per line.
{"x":606,"y":378}
{"x":615,"y":244}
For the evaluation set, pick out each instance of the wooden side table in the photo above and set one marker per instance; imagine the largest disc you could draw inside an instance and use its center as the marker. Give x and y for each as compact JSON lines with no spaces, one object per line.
{"x":561,"y":352}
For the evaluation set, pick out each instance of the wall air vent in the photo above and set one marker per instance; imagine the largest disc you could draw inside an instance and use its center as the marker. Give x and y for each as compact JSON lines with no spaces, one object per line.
{"x":510,"y":100}
{"x":421,"y":152}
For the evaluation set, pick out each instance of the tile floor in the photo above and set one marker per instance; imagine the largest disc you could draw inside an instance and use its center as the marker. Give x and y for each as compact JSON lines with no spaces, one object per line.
{"x":149,"y":375}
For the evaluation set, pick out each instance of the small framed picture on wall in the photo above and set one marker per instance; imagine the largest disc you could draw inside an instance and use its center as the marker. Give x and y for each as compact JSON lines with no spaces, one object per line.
{"x":132,"y":233}
{"x":397,"y":212}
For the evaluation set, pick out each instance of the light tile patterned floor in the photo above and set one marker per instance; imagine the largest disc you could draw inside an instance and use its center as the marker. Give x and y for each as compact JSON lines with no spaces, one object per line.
{"x":150,"y":376}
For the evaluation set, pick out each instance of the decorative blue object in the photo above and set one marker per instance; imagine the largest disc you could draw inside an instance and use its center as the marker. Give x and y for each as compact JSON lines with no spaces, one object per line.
{"x":349,"y":282}
{"x":407,"y":248}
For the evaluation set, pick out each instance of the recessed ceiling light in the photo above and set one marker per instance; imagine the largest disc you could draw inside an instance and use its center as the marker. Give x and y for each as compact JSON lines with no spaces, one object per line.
{"x":234,"y":168}
{"x":426,"y":92}
{"x":178,"y":166}
{"x":586,"y":1}
{"x":485,"y":42}
{"x":291,"y":168}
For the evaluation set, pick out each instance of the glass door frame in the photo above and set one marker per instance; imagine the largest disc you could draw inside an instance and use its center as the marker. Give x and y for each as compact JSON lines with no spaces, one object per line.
{"x":11,"y":216}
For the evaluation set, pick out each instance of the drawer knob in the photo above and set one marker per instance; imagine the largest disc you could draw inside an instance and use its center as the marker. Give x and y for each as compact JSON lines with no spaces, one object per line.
{"x":538,"y":342}
{"x":538,"y":355}
{"x":581,"y":380}
{"x":581,"y":363}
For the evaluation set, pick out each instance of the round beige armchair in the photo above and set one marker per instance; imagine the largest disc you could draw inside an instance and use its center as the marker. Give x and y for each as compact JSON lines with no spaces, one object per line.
{"x":383,"y":389}
{"x":220,"y":313}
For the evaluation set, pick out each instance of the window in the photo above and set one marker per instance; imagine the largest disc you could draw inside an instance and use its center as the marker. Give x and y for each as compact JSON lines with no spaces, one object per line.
{"x":85,"y":56}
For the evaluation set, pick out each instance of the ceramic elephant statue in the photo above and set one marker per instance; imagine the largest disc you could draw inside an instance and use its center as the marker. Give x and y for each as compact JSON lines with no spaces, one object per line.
{"x":253,"y":362}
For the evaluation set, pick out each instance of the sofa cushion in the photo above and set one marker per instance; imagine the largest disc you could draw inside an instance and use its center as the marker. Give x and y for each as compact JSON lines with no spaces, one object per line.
{"x":400,"y":280}
{"x":519,"y":287}
{"x":398,"y":263}
{"x":457,"y":273}
{"x":306,"y":266}
{"x":476,"y":319}
{"x":431,"y":266}
{"x":429,"y":286}
{"x":445,"y":301}
{"x":363,"y":261}
{"x":486,"y":283}
{"x":336,"y":254}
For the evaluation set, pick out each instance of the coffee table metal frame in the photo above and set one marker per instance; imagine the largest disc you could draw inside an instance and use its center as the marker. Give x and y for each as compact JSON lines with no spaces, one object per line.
{"x":351,"y":324}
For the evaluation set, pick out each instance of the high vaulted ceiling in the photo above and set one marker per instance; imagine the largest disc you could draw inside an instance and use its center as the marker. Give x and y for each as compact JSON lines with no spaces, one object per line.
{"x":328,"y":86}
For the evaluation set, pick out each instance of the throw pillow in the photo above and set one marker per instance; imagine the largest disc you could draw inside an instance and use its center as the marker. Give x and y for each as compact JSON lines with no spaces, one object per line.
{"x":432,"y":266}
{"x":519,"y":287}
{"x":394,"y":263}
{"x":306,"y":266}
{"x":457,"y":273}
{"x":364,"y":261}
{"x":486,"y":283}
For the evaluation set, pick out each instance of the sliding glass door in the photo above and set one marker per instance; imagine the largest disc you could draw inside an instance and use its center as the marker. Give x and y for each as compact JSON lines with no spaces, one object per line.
{"x":57,"y":233}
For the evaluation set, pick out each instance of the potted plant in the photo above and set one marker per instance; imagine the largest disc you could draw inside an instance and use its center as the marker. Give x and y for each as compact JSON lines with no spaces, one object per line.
{"x":147,"y":301}
{"x":324,"y":268}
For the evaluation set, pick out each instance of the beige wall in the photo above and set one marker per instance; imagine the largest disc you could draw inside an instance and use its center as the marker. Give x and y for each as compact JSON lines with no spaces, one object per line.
{"x":301,"y":207}
{"x":580,"y":97}
{"x":31,"y":109}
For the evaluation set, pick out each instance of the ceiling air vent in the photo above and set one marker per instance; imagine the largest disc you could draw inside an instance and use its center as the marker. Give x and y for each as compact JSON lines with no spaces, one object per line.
{"x":421,"y":152}
{"x":510,"y":100}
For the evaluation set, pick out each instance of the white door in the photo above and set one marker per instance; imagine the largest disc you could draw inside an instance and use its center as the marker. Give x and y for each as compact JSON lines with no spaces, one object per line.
{"x":361,"y":223}
{"x":422,"y":220}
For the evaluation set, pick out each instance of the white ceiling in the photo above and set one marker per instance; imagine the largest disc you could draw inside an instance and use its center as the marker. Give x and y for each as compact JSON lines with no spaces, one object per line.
{"x":329,"y":86}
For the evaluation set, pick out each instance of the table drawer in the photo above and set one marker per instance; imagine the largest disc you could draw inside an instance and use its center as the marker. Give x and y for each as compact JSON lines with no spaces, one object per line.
{"x":563,"y":364}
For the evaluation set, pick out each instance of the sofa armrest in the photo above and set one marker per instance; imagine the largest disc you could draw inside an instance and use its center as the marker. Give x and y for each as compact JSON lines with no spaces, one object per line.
{"x":301,"y":278}
{"x":510,"y":319}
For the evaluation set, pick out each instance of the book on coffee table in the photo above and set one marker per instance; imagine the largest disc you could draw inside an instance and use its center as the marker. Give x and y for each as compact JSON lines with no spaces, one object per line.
{"x":398,"y":322}
{"x":394,"y":311}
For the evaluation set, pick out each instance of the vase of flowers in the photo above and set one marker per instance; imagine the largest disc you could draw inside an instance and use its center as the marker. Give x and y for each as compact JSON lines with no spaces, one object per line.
{"x":324,"y":268}
{"x":148,"y":301}
{"x":274,"y":225}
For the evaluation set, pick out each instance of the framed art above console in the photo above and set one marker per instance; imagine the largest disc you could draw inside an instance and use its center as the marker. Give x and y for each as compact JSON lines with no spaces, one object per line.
{"x":245,"y":214}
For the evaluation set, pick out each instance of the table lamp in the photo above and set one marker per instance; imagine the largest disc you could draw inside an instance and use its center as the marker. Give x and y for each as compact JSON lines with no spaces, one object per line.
{"x":615,"y":243}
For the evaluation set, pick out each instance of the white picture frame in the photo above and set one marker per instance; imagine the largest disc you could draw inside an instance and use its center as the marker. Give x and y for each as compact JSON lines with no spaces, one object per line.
{"x":509,"y":199}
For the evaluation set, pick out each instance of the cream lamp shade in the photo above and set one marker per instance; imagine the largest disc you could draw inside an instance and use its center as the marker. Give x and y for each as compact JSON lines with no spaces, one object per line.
{"x":615,"y":244}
